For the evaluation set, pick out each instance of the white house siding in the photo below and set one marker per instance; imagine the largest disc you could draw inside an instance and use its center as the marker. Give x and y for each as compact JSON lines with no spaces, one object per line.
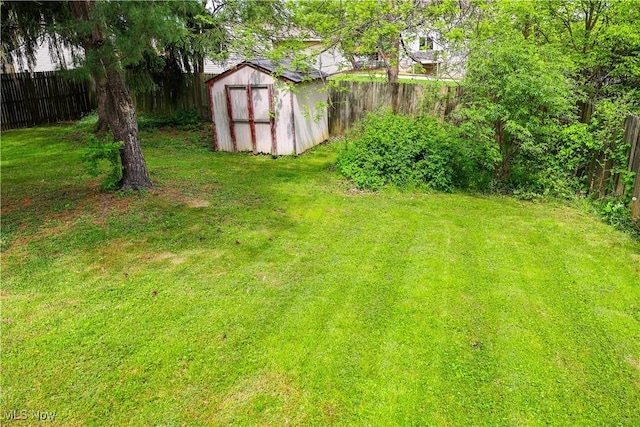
{"x":310,"y":112}
{"x":43,"y":61}
{"x":219,"y":67}
{"x":449,"y":63}
{"x":330,"y":61}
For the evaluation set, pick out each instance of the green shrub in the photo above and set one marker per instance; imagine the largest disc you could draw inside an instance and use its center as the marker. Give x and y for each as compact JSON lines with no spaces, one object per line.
{"x":418,"y":69}
{"x":183,"y":120}
{"x":102,"y":157}
{"x":87,"y":123}
{"x":412,"y":152}
{"x":617,"y":214}
{"x":544,"y":175}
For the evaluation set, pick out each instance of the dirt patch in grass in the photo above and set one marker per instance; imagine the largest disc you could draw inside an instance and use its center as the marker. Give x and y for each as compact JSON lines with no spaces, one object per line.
{"x":197,"y":203}
{"x":331,"y":412}
{"x":180,"y":257}
{"x":51,"y":213}
{"x":117,"y":255}
{"x":174,"y":195}
{"x":60,"y":201}
{"x":633,"y":361}
{"x":110,"y":203}
{"x":164,"y":256}
{"x":635,"y":258}
{"x":354,"y":191}
{"x":268,"y":399}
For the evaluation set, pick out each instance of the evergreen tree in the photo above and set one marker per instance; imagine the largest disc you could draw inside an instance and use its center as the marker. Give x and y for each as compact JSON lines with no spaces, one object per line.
{"x":105,"y":37}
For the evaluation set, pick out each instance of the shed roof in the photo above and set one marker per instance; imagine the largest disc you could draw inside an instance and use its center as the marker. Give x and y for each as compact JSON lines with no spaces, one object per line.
{"x":282,"y":69}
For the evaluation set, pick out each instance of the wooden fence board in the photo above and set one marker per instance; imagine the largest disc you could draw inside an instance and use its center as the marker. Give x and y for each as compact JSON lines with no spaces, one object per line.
{"x":603,"y":182}
{"x":632,"y":137}
{"x":31,"y":99}
{"x":166,"y":101}
{"x":350,"y":101}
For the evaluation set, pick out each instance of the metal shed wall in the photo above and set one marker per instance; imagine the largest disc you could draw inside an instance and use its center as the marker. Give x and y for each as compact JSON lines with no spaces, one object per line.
{"x":281,"y":105}
{"x":300,"y":122}
{"x":310,"y":114}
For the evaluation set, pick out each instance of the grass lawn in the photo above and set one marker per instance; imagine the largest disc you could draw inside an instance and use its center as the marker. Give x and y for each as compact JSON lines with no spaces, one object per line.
{"x":244,"y":290}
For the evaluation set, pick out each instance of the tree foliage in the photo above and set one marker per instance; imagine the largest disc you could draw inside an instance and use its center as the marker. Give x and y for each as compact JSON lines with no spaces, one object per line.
{"x":362,"y":28}
{"x":105,"y":38}
{"x":535,"y":69}
{"x":518,"y":96}
{"x":600,"y":38}
{"x":413,"y":152}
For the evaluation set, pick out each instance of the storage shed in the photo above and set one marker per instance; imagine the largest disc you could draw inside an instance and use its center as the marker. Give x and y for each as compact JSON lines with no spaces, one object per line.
{"x":267,"y":107}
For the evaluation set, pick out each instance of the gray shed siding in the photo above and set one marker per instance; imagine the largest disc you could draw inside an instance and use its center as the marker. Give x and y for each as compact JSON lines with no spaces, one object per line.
{"x":299,"y":121}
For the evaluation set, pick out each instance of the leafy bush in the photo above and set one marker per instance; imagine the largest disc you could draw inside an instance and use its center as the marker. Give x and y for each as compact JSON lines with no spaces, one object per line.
{"x":418,"y":69}
{"x":87,"y":123}
{"x":412,"y":152}
{"x":183,"y":120}
{"x":518,"y":97}
{"x":102,"y":156}
{"x":617,"y":214}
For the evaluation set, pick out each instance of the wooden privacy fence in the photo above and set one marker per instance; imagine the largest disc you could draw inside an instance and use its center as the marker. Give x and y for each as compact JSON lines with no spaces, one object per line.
{"x":349,"y":101}
{"x":632,"y":135}
{"x":31,"y":99}
{"x":604,"y":182}
{"x":167,"y":100}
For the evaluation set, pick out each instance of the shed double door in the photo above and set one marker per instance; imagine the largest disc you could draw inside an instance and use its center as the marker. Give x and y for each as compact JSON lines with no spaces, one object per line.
{"x":252,"y":118}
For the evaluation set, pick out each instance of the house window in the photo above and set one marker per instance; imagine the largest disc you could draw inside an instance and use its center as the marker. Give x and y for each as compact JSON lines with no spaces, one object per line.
{"x":426,"y":43}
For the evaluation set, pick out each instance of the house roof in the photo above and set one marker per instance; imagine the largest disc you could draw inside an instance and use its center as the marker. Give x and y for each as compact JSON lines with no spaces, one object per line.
{"x":283,"y":69}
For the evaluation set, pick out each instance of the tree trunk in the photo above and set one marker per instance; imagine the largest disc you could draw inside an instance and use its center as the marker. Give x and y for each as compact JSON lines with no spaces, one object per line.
{"x":104,"y":106}
{"x":395,"y":97}
{"x":393,"y":61}
{"x":393,"y":71}
{"x":115,"y":106}
{"x":585,"y":111}
{"x":123,"y":121}
{"x":504,"y":170}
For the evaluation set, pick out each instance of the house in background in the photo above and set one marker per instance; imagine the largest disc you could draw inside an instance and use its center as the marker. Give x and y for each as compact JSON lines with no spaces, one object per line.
{"x":46,"y":59}
{"x":309,"y":48}
{"x":328,"y":60}
{"x":426,"y":54}
{"x":268,"y":107}
{"x":218,"y":67}
{"x":423,"y":53}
